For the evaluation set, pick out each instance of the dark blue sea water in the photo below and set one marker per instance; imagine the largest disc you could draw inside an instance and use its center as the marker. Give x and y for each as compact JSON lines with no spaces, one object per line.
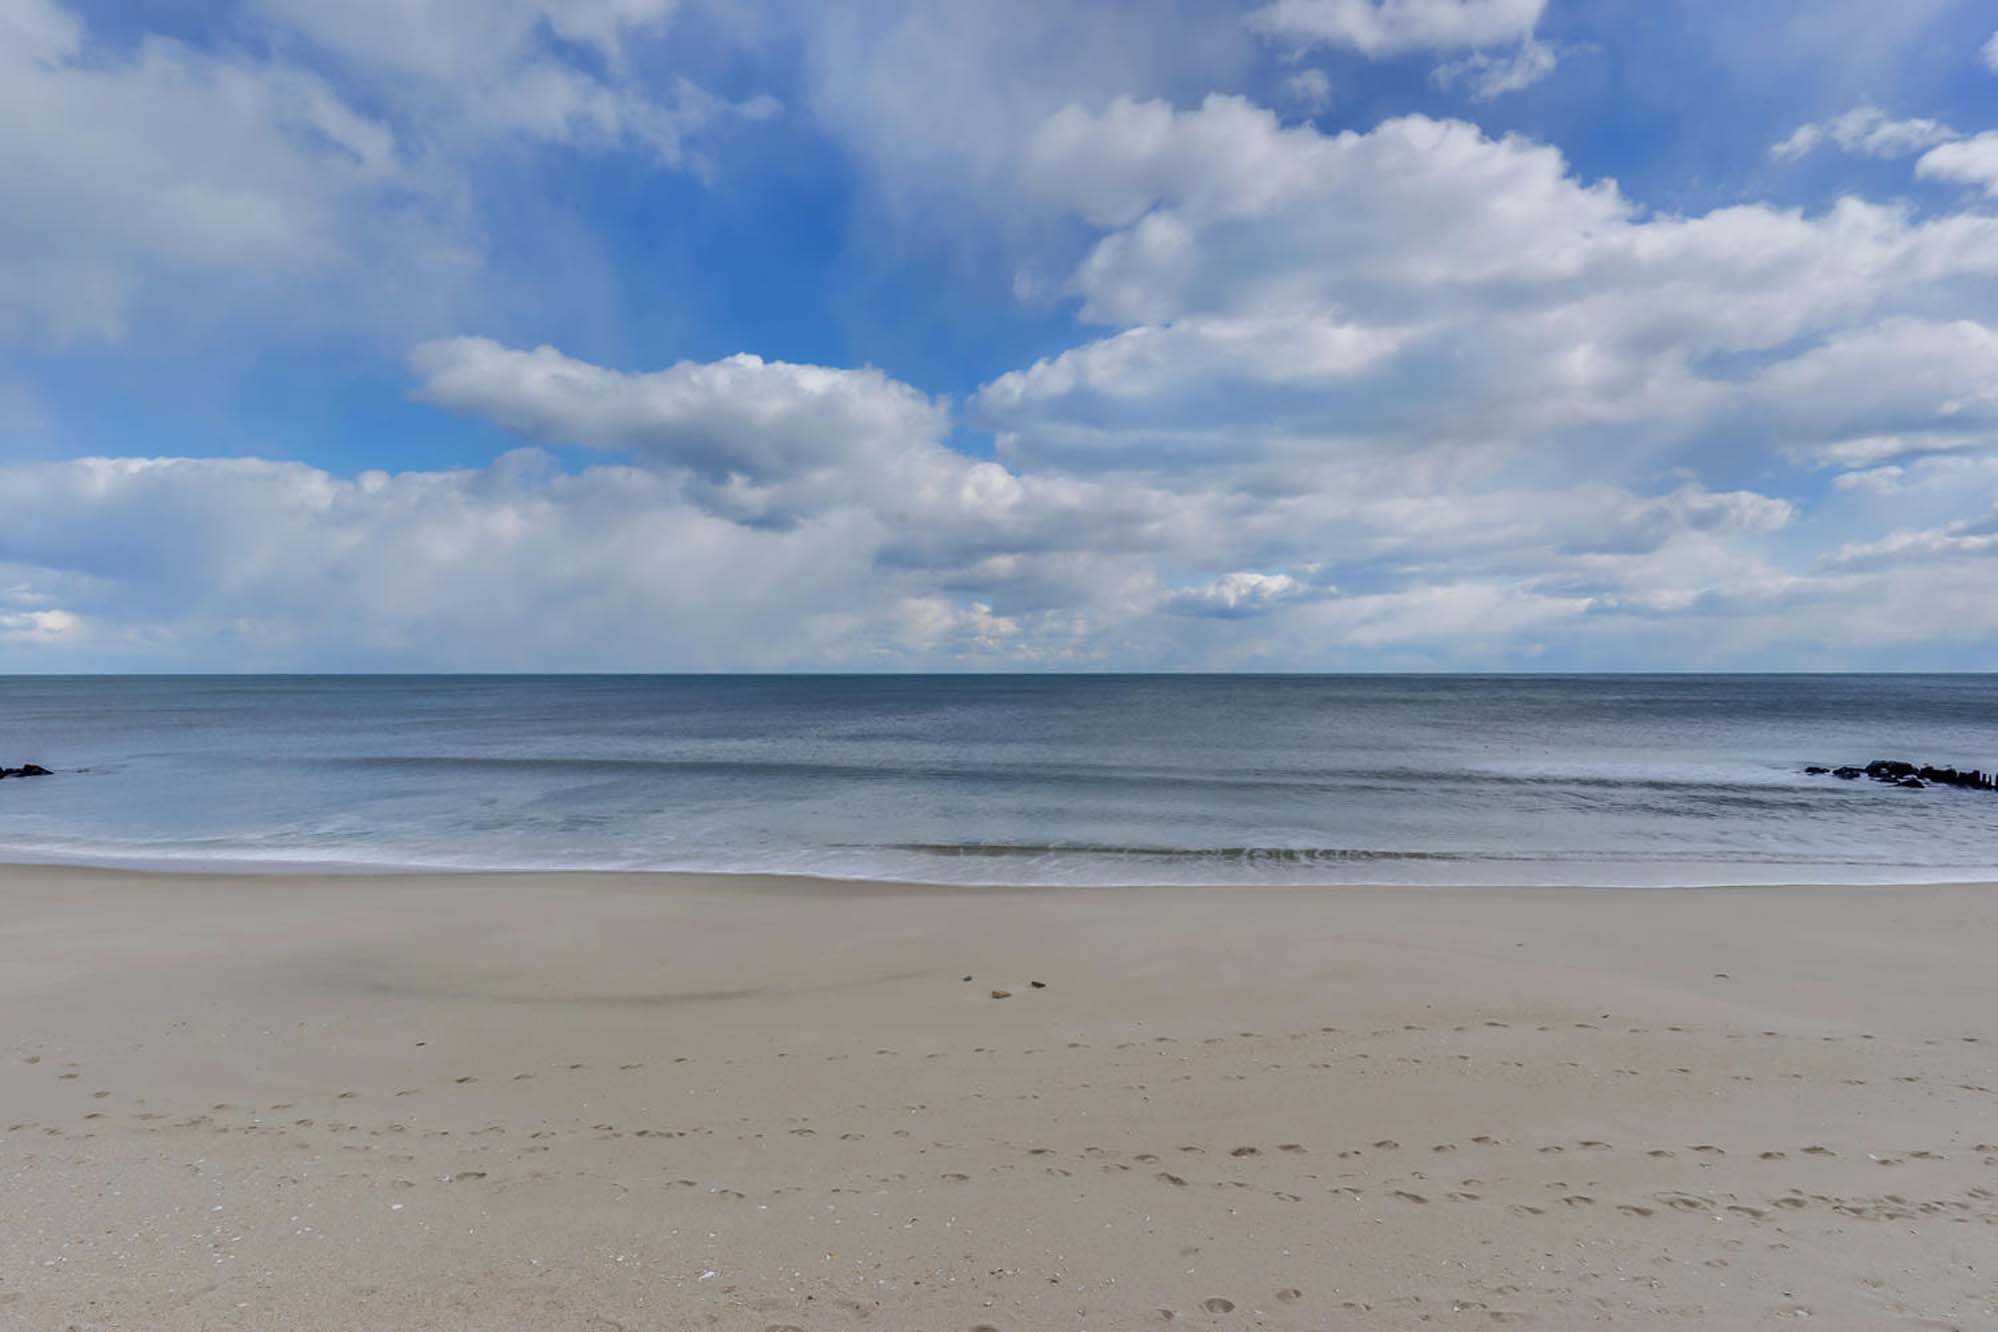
{"x":1011,"y":779}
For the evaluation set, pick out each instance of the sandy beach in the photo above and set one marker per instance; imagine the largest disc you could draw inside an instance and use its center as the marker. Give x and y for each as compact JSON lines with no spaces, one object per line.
{"x":642,"y":1101}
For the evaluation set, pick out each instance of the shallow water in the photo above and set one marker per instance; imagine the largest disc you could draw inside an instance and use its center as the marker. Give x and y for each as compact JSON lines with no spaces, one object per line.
{"x":1012,"y":779}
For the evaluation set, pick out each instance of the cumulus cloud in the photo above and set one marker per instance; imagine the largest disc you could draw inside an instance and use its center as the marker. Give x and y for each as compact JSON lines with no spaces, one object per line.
{"x":1237,"y":595}
{"x":870,"y":541}
{"x":1966,"y":539}
{"x":40,"y":627}
{"x":1488,"y":76}
{"x":1150,"y":365}
{"x":168,"y":158}
{"x":1867,"y":131}
{"x":1484,"y":294}
{"x":1310,"y":89}
{"x":1415,"y":394}
{"x":1972,"y":161}
{"x":742,"y":420}
{"x":1381,"y":29}
{"x":494,"y":67}
{"x":317,"y":169}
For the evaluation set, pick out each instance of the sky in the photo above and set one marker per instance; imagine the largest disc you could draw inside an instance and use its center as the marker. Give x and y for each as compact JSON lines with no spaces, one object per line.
{"x":716,"y":335}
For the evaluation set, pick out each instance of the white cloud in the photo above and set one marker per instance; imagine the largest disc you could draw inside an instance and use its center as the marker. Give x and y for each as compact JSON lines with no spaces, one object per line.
{"x":38,"y":627}
{"x":1489,"y":76}
{"x":1152,"y":363}
{"x":1972,"y":539}
{"x":1499,"y":407}
{"x":740,"y":418}
{"x":934,"y":97}
{"x":1800,"y":142}
{"x":1499,"y":301}
{"x":1237,"y":595}
{"x":1971,"y":161}
{"x":1379,"y":28}
{"x":773,"y":445}
{"x":1865,"y":130}
{"x":1989,"y":53}
{"x":1877,"y":480}
{"x":169,"y":159}
{"x":318,"y":170}
{"x":786,"y":515}
{"x":1310,"y":89}
{"x":486,"y":67}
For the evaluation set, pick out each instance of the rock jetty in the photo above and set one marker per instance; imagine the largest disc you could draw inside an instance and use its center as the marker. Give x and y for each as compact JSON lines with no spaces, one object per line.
{"x":26,"y":770}
{"x":1910,"y":776}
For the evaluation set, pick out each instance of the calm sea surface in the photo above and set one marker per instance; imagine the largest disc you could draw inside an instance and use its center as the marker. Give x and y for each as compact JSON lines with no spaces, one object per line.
{"x":1011,"y":779}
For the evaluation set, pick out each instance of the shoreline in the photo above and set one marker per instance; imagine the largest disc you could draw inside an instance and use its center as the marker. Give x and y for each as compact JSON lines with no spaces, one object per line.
{"x":191,"y":868}
{"x":654,"y":1100}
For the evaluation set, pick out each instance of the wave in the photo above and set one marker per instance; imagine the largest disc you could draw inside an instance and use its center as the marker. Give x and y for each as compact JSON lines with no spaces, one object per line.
{"x":1279,"y":855}
{"x":1310,"y":855}
{"x":1775,"y":782}
{"x":1020,"y":864}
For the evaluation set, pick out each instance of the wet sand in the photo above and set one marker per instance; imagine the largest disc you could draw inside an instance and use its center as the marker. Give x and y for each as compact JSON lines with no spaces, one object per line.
{"x":639,"y":1102}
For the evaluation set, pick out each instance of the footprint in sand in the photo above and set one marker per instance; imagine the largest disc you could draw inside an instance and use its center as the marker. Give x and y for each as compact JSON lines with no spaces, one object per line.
{"x":1289,"y":1295}
{"x":1217,"y":1305}
{"x":1246,"y":1151}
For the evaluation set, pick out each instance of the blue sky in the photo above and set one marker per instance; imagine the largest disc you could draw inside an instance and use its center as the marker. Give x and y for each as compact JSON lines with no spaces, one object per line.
{"x":1291,"y":334}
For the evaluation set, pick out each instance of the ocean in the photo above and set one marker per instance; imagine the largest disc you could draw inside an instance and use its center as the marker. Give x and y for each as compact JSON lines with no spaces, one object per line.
{"x":1071,"y":779}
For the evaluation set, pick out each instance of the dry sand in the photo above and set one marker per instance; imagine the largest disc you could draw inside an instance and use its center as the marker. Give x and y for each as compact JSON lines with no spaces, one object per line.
{"x":602,"y":1102}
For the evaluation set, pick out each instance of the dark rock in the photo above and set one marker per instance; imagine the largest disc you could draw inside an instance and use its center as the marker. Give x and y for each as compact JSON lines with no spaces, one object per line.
{"x":1815,"y":771}
{"x":27,"y":770}
{"x":1894,"y":772}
